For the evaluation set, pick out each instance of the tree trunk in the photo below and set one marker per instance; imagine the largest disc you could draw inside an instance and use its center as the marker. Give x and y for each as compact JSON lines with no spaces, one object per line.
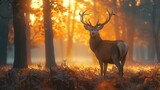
{"x":155,"y":28}
{"x":20,"y":58}
{"x":49,"y":46}
{"x":136,"y":51}
{"x":124,"y":26}
{"x":154,"y":25}
{"x":28,"y":41}
{"x":158,"y":42}
{"x":151,"y":51}
{"x":123,"y":23}
{"x":4,"y":31}
{"x":157,"y":37}
{"x":130,"y":31}
{"x":116,"y":21}
{"x":28,"y":33}
{"x":142,"y":53}
{"x":69,"y":43}
{"x":61,"y":48}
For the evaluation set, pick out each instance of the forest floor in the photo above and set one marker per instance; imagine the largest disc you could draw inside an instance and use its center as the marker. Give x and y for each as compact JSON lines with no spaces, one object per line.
{"x":136,"y":77}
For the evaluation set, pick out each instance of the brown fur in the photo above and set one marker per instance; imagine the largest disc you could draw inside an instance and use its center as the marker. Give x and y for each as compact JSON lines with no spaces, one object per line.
{"x":108,"y":52}
{"x":113,"y":52}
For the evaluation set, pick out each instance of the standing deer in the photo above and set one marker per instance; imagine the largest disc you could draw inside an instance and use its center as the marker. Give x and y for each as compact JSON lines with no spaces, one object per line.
{"x":106,"y":51}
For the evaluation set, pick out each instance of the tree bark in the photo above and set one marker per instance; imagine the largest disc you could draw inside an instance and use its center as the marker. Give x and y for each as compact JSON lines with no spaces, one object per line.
{"x":49,"y":46}
{"x":158,"y":42}
{"x":123,"y":23}
{"x":130,"y":30}
{"x":151,"y":51}
{"x":28,"y":33}
{"x":116,"y":21}
{"x":69,"y":43}
{"x":155,"y":28}
{"x":70,"y":31}
{"x":20,"y":58}
{"x":4,"y":31}
{"x":28,"y":40}
{"x":61,"y":48}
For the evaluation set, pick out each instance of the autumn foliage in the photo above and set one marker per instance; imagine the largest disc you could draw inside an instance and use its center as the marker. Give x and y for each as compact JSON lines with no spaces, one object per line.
{"x":79,"y":78}
{"x":60,"y":20}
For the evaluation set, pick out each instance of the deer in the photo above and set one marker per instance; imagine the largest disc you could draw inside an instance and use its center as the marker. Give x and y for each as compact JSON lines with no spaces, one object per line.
{"x":106,"y":51}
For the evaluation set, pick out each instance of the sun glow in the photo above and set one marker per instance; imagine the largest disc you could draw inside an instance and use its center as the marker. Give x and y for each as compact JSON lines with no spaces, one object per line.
{"x":32,"y":18}
{"x":66,"y":3}
{"x":70,"y":13}
{"x":138,"y":68}
{"x":138,"y":2}
{"x":36,"y":4}
{"x":38,"y":66}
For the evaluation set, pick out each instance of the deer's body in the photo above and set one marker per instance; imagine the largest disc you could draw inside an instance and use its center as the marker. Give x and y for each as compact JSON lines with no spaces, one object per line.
{"x":113,"y":52}
{"x":106,"y":51}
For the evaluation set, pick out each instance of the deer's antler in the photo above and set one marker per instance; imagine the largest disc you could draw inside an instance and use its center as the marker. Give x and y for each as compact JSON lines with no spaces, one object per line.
{"x":98,"y":25}
{"x":82,"y":19}
{"x":109,"y":18}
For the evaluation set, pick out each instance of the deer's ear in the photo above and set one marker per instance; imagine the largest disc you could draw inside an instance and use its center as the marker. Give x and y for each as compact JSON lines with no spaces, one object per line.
{"x":86,"y":27}
{"x":99,"y":27}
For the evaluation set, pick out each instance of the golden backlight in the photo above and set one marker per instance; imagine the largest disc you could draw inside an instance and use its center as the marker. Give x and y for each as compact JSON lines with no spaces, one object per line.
{"x":67,"y":22}
{"x":36,"y":4}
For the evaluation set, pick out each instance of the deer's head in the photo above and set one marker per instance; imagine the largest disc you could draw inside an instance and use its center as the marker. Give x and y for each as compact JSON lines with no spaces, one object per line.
{"x":94,"y":29}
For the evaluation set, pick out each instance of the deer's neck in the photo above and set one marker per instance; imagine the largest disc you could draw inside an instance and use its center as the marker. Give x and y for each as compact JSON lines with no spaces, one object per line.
{"x":94,"y":42}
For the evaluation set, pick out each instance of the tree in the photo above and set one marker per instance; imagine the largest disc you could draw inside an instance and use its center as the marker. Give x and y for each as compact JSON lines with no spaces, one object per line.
{"x":146,"y":32}
{"x":69,"y":34}
{"x":123,"y":20}
{"x":27,"y":10}
{"x":49,"y":46}
{"x":20,"y":58}
{"x":70,"y":28}
{"x":156,"y":27}
{"x":116,"y":20}
{"x":130,"y":13}
{"x":4,"y":30}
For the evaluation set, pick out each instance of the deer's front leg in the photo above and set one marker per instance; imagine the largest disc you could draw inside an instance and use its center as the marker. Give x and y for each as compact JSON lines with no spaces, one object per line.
{"x":105,"y":68}
{"x":101,"y":67}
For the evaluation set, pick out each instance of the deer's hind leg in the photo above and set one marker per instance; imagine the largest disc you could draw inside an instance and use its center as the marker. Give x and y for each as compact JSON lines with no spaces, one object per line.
{"x":119,"y":66}
{"x":123,"y":62}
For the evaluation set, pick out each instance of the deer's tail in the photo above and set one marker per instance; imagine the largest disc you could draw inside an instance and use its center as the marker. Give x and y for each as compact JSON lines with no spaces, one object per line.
{"x":123,"y":49}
